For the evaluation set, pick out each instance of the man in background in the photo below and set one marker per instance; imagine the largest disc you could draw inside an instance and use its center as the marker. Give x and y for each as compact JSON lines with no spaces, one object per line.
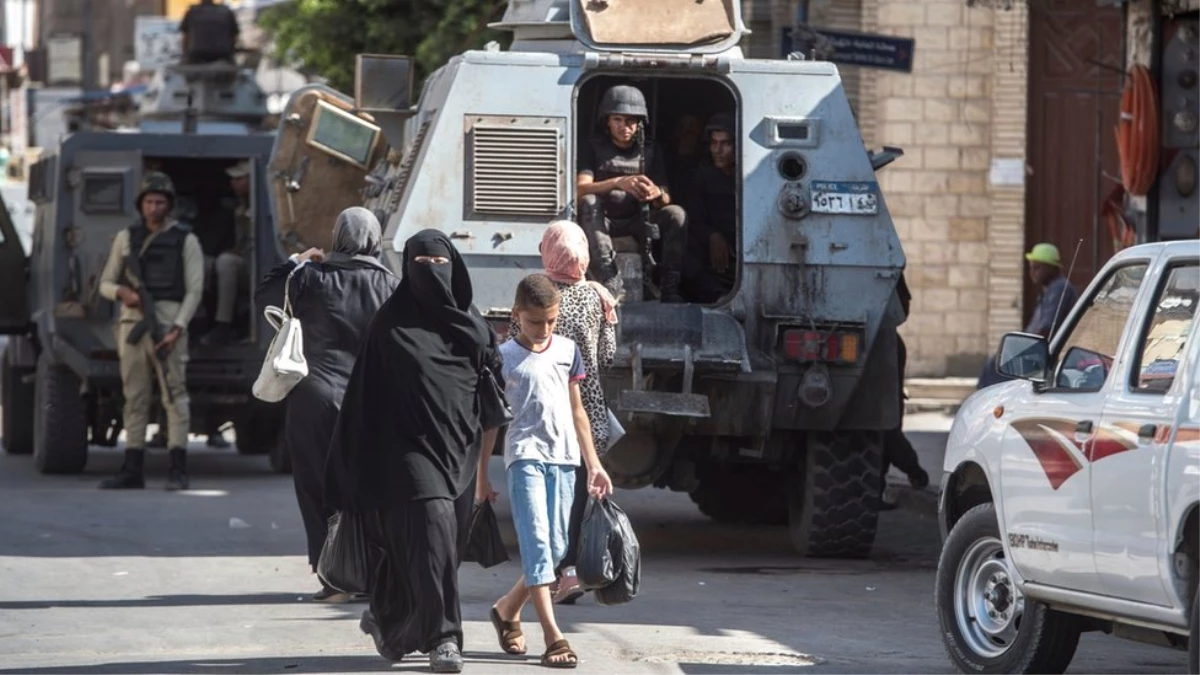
{"x":1054,"y":304}
{"x":210,"y":33}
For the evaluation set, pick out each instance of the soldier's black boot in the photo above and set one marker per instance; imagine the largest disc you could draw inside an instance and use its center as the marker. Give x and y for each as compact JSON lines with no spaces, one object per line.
{"x":669,"y":288}
{"x":130,"y":477}
{"x":177,"y":478}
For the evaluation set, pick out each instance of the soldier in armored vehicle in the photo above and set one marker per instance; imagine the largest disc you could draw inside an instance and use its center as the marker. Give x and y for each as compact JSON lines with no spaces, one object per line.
{"x":712,"y":224}
{"x":622,"y":188}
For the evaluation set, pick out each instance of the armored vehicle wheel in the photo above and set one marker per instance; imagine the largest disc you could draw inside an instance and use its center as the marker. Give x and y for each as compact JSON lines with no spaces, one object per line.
{"x":988,"y":626}
{"x":747,"y":495}
{"x":16,"y":407}
{"x":59,"y":424}
{"x":833,"y":501}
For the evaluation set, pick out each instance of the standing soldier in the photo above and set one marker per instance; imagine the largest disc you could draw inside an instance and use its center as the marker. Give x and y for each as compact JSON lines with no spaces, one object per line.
{"x":156,"y":270}
{"x":622,"y":187}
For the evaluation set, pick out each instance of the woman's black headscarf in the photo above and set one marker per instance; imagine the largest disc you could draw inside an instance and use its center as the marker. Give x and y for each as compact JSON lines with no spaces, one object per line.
{"x":409,"y":426}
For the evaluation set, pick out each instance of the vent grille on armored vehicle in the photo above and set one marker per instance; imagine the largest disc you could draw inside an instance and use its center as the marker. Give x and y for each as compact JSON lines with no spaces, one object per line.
{"x":516,"y":166}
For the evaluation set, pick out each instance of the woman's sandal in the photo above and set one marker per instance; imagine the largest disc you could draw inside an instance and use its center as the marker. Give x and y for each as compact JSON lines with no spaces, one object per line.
{"x":560,"y":648}
{"x":508,"y":633}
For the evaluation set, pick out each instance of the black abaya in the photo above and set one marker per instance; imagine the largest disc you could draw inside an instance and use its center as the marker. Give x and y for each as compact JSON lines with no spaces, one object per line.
{"x":407,"y":443}
{"x":335,"y":300}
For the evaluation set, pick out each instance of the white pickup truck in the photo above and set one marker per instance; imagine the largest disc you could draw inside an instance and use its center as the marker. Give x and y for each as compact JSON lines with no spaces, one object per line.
{"x":1069,"y":501}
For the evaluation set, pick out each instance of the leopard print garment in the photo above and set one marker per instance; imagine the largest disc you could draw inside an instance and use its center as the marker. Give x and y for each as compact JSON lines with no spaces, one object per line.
{"x":581,"y":319}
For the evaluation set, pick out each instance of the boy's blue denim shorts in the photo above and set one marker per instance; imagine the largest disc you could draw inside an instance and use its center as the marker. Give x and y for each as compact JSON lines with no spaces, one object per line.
{"x":541,"y":496}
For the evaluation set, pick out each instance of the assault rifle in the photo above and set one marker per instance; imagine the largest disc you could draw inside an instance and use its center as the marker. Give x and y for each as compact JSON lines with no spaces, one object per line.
{"x":149,"y":322}
{"x":649,"y":232}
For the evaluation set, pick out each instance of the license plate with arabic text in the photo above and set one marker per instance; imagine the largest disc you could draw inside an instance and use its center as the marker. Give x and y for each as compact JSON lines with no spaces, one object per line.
{"x":842,"y":198}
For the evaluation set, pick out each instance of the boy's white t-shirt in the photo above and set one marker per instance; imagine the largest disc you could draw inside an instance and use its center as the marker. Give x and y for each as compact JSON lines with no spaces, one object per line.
{"x":537,"y":385}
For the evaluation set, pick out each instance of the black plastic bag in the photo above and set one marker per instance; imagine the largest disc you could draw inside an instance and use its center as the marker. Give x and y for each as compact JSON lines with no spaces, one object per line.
{"x":609,"y":560}
{"x":484,"y":544}
{"x":346,"y":561}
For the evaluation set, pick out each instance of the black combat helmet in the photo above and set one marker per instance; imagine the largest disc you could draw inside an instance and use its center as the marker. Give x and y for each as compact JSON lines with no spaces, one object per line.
{"x":158,"y":182}
{"x":623,"y":99}
{"x":719,"y":122}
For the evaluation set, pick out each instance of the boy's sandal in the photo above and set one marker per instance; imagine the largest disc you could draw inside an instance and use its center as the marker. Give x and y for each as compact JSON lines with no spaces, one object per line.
{"x":560,"y":648}
{"x":508,"y":632}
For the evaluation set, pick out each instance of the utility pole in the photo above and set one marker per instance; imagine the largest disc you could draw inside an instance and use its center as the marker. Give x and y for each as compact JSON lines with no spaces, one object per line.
{"x":88,"y":66}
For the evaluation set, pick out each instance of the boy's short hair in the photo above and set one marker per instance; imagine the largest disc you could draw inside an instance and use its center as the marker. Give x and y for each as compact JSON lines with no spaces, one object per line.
{"x":537,"y":291}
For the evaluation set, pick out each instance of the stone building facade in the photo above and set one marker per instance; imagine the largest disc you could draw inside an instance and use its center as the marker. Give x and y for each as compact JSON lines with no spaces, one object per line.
{"x":962,"y":205}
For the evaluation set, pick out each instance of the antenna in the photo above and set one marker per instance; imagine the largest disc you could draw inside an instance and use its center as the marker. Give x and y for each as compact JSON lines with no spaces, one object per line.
{"x":1058,"y":309}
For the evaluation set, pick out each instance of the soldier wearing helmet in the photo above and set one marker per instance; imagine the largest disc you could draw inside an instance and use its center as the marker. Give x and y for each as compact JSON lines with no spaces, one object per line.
{"x":154,"y":263}
{"x":712,"y":204}
{"x":617,"y":174}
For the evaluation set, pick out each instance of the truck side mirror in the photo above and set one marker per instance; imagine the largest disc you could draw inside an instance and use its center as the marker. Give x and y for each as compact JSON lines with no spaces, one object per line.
{"x":382,"y":82}
{"x":1024,"y":357}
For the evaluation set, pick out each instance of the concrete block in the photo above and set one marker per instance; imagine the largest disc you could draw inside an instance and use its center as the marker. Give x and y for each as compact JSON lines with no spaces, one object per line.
{"x":966,"y":322}
{"x":972,"y":253}
{"x":903,"y":110}
{"x":941,"y":110}
{"x":942,"y":207}
{"x":969,"y":135}
{"x":967,"y":277}
{"x":931,"y":182}
{"x":943,"y":158}
{"x":968,"y":229}
{"x":930,"y":229}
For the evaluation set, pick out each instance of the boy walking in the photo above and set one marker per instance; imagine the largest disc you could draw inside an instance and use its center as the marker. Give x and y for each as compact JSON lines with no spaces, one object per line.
{"x":546,"y":440}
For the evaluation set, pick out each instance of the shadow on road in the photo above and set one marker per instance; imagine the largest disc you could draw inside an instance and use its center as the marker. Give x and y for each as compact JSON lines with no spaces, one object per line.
{"x":158,"y":601}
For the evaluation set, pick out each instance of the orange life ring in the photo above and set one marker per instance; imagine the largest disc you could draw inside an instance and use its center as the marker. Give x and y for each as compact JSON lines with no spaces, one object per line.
{"x":1138,"y":132}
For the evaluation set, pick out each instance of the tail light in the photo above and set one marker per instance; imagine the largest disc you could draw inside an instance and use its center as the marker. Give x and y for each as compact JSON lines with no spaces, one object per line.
{"x":821,"y":346}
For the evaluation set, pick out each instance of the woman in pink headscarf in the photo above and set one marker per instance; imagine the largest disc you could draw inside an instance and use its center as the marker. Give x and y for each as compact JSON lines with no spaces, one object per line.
{"x":586,"y":316}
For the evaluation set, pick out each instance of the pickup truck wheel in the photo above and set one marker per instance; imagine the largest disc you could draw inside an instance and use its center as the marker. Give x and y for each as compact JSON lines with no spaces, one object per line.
{"x":60,"y":426}
{"x":16,"y":407}
{"x":747,"y":495}
{"x":988,"y":626}
{"x":833,"y":501}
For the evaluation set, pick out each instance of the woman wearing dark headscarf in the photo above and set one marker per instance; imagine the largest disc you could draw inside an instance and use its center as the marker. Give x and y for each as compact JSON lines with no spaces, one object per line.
{"x":407,"y":446}
{"x":334,"y":296}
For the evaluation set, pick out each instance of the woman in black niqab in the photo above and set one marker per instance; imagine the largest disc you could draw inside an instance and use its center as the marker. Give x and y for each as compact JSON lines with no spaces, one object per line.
{"x":407,"y":446}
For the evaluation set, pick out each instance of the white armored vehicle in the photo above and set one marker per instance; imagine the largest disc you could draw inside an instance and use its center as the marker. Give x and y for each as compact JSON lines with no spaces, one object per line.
{"x":767,"y":405}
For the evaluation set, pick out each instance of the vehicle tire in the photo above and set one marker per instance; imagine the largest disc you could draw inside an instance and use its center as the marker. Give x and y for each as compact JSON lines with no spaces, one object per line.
{"x":59,"y":424}
{"x":743,"y":495}
{"x":987,"y":625}
{"x":16,"y":406}
{"x":833,"y":500}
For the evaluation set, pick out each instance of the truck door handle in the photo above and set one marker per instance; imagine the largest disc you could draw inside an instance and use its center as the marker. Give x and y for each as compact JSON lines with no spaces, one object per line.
{"x":1148,"y":432}
{"x":1084,"y":427}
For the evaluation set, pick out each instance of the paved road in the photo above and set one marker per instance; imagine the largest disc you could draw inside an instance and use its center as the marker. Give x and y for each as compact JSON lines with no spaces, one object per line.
{"x":151,"y":582}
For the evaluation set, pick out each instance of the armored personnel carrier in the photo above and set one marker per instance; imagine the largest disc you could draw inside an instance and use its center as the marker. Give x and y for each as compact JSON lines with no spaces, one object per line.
{"x":768,"y":405}
{"x":61,"y":383}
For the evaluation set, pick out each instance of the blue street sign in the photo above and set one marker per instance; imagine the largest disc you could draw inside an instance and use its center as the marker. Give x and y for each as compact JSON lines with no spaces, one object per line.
{"x":862,"y":49}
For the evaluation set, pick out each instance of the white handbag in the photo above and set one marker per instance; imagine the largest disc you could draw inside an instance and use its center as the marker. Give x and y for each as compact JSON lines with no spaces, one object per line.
{"x":285,"y":365}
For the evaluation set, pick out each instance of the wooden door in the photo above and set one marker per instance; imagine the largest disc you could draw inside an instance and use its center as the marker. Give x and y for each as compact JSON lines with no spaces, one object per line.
{"x":1076,"y":64}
